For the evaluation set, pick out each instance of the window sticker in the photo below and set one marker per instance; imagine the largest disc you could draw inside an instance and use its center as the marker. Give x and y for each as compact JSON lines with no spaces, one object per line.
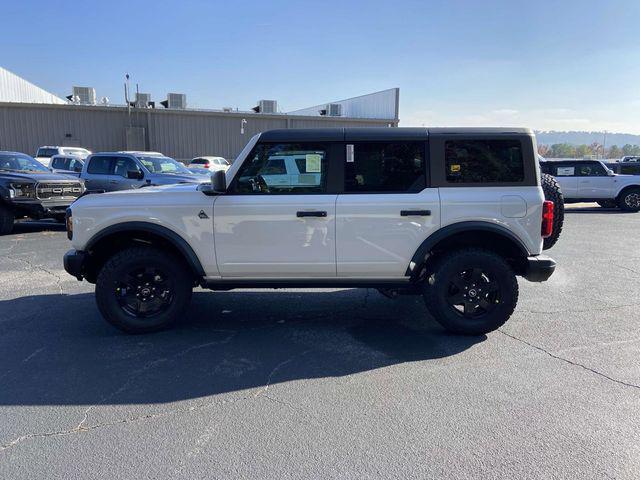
{"x":313,"y":162}
{"x":455,"y":168}
{"x":566,"y":171}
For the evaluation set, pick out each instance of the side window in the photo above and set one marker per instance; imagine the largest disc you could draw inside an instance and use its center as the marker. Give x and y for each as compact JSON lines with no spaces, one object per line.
{"x":630,"y":169}
{"x":565,"y":171}
{"x":484,"y":161}
{"x":122,"y":165}
{"x":100,"y":165}
{"x":591,"y":170}
{"x":274,"y":166}
{"x":58,"y":163}
{"x":386,"y":167}
{"x":265,"y":169}
{"x":74,"y":165}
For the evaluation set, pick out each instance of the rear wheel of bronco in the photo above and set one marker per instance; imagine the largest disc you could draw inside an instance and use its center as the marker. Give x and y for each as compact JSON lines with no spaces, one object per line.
{"x":6,"y":220}
{"x":143,"y":289}
{"x":552,"y":192}
{"x":607,"y":203}
{"x":629,"y":200}
{"x":471,"y":291}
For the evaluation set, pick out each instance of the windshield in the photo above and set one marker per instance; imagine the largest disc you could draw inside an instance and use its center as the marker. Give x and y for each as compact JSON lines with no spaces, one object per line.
{"x":164,"y":165}
{"x":20,"y":162}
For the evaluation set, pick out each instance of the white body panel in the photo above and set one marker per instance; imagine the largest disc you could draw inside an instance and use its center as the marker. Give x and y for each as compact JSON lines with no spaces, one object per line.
{"x":260,"y":236}
{"x":595,"y":187}
{"x":490,"y":204}
{"x":569,"y":186}
{"x":175,"y":207}
{"x":374,"y":240}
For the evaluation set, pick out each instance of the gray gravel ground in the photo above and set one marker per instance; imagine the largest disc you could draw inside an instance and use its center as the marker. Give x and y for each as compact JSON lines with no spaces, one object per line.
{"x":325,"y":384}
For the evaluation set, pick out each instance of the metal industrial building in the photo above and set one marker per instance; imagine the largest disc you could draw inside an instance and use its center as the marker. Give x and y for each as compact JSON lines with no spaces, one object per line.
{"x":31,"y":117}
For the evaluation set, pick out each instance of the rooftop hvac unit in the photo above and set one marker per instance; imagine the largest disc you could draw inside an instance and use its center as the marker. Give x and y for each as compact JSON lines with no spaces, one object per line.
{"x":143,"y":100}
{"x":266,"y":106}
{"x":85,"y":95}
{"x":175,"y":100}
{"x":334,"y":110}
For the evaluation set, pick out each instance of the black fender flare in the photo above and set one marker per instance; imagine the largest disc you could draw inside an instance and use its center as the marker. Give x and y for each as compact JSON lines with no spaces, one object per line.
{"x":167,"y":234}
{"x":456,"y":228}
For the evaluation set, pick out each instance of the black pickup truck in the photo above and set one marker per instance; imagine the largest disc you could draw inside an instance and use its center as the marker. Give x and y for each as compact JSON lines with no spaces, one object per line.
{"x":29,"y":189}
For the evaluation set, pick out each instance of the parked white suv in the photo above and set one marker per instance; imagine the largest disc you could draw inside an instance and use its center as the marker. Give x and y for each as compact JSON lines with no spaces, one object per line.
{"x":592,"y":181}
{"x":44,"y":154}
{"x":213,"y":164}
{"x":452,"y":214}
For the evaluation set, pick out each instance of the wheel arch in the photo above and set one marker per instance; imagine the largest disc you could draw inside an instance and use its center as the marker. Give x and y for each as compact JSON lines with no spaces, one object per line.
{"x":469,"y":234}
{"x":625,"y":189}
{"x":116,"y":237}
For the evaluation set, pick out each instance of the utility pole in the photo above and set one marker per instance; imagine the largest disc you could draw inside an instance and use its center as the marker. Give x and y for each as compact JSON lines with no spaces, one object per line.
{"x":604,"y":144}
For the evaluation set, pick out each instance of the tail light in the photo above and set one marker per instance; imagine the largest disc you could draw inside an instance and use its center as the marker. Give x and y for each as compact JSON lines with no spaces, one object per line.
{"x":547,"y":219}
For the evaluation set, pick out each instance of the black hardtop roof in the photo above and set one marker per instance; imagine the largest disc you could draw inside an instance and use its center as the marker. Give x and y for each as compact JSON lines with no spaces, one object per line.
{"x":377,"y":133}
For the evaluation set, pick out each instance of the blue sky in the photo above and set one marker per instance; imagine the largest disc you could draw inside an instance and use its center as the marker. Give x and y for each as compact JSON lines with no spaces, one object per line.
{"x":564,"y":65}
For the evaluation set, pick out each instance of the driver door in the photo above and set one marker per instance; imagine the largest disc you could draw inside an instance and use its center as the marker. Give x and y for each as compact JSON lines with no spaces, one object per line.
{"x":265,"y":230}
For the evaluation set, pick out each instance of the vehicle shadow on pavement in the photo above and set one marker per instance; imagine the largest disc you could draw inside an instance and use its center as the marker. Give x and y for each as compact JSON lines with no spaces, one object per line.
{"x":57,"y":350}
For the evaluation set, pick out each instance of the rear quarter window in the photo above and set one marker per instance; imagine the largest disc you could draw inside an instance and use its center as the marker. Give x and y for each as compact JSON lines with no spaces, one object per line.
{"x":484,"y":161}
{"x":100,"y":165}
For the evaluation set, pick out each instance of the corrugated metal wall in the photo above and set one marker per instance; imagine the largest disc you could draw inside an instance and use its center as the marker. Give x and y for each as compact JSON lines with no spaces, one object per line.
{"x":180,"y":134}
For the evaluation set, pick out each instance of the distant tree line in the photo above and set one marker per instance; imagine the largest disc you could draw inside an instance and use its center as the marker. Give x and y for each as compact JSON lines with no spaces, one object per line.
{"x":567,"y":150}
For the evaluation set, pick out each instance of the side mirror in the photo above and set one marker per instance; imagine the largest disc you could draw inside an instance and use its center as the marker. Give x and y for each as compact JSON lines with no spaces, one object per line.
{"x":135,"y":175}
{"x":219,"y":181}
{"x":610,"y":172}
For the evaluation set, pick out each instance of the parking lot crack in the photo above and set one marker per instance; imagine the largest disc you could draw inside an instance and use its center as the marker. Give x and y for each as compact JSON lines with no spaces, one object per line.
{"x":570,"y":362}
{"x":41,"y":268}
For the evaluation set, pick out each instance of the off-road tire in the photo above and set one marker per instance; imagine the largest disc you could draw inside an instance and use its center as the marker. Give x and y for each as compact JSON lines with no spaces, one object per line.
{"x":552,"y":192}
{"x":6,"y":220}
{"x":123,"y":262}
{"x":437,"y":290}
{"x":624,"y":202}
{"x":607,"y":203}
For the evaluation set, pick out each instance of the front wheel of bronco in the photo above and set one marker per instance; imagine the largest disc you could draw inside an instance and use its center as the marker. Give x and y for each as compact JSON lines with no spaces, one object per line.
{"x":629,"y":200}
{"x":471,"y":291}
{"x":142,"y":289}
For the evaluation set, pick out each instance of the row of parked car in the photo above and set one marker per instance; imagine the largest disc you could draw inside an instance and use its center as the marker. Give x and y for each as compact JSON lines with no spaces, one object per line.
{"x":43,"y":187}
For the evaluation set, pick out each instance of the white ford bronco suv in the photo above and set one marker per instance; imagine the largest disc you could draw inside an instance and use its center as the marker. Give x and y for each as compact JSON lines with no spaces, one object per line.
{"x":593,"y":181}
{"x":452,"y":214}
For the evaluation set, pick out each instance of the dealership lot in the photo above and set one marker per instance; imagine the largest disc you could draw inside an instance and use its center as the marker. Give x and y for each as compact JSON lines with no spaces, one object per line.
{"x":335,"y":383}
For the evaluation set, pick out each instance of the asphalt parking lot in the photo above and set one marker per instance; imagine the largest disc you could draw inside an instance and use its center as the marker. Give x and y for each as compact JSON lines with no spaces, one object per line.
{"x":325,"y":384}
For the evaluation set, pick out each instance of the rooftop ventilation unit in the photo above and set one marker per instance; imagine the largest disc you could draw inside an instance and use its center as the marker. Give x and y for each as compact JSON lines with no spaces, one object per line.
{"x":143,"y":100}
{"x":266,"y":106}
{"x":175,"y":100}
{"x":85,"y":95}
{"x":332,"y":110}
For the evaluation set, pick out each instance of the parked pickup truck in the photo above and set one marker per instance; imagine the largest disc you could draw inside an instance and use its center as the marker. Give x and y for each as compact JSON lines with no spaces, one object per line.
{"x":29,"y":189}
{"x":592,"y":181}
{"x":451,"y":214}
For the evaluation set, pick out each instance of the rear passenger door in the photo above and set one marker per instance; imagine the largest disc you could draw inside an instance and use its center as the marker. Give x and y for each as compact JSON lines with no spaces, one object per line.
{"x":98,"y":171}
{"x":566,"y":176}
{"x":386,"y":209}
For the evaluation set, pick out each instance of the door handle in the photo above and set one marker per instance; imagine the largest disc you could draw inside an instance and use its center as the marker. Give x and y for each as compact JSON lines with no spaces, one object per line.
{"x":415,"y":213}
{"x":113,"y":181}
{"x":311,"y":214}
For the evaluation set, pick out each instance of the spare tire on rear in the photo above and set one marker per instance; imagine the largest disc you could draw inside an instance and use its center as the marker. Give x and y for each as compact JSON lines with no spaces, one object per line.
{"x":552,"y":192}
